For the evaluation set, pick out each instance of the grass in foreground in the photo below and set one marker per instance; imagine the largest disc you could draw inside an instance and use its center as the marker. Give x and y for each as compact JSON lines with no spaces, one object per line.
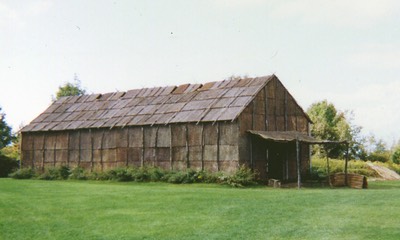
{"x":32,"y":209}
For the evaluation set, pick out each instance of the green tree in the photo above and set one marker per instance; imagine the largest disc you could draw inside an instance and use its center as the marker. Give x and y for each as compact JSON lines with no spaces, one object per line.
{"x":7,"y":164}
{"x":6,"y":135}
{"x":334,"y":125}
{"x":395,"y":157}
{"x":377,"y":150}
{"x":71,"y":89}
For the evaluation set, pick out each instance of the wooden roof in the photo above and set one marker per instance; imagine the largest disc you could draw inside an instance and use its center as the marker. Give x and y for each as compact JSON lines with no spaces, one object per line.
{"x":209,"y":102}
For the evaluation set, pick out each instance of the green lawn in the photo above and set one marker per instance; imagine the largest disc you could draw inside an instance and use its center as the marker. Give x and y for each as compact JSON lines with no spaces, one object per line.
{"x":34,"y":209}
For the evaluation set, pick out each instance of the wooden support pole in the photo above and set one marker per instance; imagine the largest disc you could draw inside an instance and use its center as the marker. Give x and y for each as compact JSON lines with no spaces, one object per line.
{"x":55,"y":152}
{"x":91,"y":151}
{"x":101,"y":150}
{"x":127,"y":146}
{"x":79,"y":148}
{"x":327,"y":167}
{"x":218,"y":147}
{"x":345,"y":165}
{"x":298,"y":163}
{"x":202,"y":146}
{"x":68,"y":152}
{"x":143,"y":143}
{"x":170,"y":148}
{"x":286,"y":111}
{"x":265,"y":109}
{"x":155,"y":153}
{"x":44,"y":151}
{"x":33,"y":153}
{"x":187,"y":146}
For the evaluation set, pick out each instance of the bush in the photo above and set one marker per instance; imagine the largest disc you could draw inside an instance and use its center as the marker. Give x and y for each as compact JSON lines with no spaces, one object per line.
{"x":78,"y":173}
{"x":24,"y":173}
{"x":7,"y":165}
{"x":319,"y":167}
{"x":379,"y":157}
{"x":51,"y":173}
{"x":64,"y":172}
{"x":244,"y":176}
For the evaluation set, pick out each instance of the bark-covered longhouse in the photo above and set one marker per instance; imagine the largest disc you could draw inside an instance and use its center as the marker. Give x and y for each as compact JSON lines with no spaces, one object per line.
{"x":214,"y":126}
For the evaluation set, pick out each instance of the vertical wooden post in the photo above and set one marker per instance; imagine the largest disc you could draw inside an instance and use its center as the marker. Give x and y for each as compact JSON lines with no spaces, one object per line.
{"x":54,"y":151}
{"x":91,"y":151}
{"x":68,"y":149}
{"x":33,"y":153}
{"x":127,"y":146}
{"x":155,"y":153}
{"x":286,"y":111}
{"x":22,"y":155}
{"x":79,"y":148}
{"x":44,"y":151}
{"x":345,"y":164}
{"x":101,"y":151}
{"x":187,"y":145}
{"x":143,"y":143}
{"x":298,"y":163}
{"x":251,"y":139}
{"x":202,"y":146}
{"x":327,"y":167}
{"x":266,"y":108}
{"x":170,"y":148}
{"x":218,"y":147}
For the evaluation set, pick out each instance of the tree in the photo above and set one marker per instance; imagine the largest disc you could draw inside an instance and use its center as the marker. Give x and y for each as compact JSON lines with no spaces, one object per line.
{"x":70,"y":89}
{"x":334,"y":125}
{"x":6,"y":135}
{"x":396,"y":155}
{"x":7,"y":164}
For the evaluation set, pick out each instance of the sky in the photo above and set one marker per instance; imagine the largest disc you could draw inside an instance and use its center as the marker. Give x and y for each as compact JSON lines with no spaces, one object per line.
{"x":346,"y":52}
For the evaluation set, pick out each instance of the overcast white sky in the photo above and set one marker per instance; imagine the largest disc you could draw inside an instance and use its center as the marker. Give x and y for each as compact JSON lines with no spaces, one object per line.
{"x":347,"y":52}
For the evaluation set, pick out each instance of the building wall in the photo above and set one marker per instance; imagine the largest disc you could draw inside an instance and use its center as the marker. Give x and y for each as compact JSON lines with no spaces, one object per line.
{"x":273,"y":109}
{"x":208,"y":146}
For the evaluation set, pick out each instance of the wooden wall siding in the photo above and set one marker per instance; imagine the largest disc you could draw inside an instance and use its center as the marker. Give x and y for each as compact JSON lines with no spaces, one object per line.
{"x":205,"y":146}
{"x":273,"y":109}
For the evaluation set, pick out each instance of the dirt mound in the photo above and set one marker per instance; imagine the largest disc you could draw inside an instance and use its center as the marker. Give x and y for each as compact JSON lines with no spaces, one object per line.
{"x":384,"y":172}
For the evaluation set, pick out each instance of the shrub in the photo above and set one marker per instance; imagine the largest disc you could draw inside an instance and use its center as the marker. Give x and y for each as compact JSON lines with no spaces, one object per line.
{"x":24,"y":173}
{"x":156,"y":174}
{"x":244,"y":176}
{"x":396,"y":155}
{"x":319,"y":167}
{"x":64,"y":172}
{"x":51,"y":173}
{"x":78,"y":173}
{"x":7,"y":165}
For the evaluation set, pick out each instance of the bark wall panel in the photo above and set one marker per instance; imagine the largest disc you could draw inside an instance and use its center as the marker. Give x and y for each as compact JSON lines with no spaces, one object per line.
{"x":121,"y":138}
{"x":135,"y":137}
{"x":62,"y":140}
{"x":164,"y":136}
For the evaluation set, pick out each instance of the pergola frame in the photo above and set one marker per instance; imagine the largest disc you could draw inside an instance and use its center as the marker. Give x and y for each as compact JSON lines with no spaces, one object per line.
{"x":298,"y":137}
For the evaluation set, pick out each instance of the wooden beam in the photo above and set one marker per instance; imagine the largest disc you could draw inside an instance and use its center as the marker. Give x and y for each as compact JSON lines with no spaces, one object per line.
{"x":187,"y":145}
{"x":202,"y":146}
{"x":170,"y":148}
{"x":101,"y":150}
{"x":91,"y":151}
{"x":44,"y":151}
{"x":345,"y":165}
{"x":79,"y":148}
{"x":298,"y":163}
{"x":218,"y":146}
{"x":143,"y":143}
{"x":127,"y":146}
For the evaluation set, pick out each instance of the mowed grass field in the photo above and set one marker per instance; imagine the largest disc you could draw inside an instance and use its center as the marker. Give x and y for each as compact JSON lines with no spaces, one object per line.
{"x":34,"y":209}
